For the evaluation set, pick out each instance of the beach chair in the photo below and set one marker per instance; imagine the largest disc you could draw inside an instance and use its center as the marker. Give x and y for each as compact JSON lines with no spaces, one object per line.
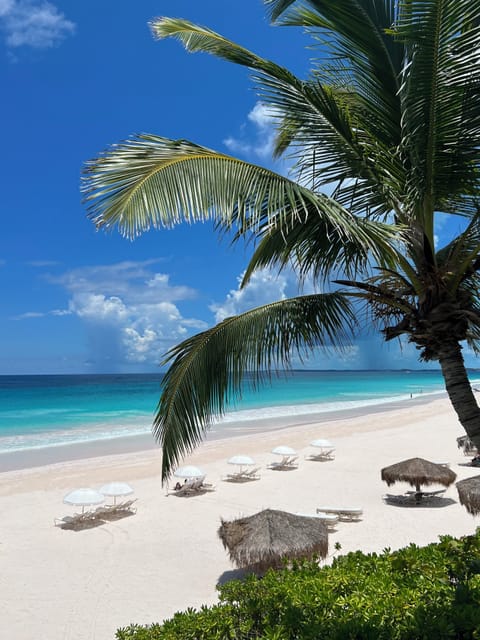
{"x":322,"y":456}
{"x":78,"y":521}
{"x":246,"y":475}
{"x":287,"y":462}
{"x":192,"y":488}
{"x":330,"y":519}
{"x":116,"y":511}
{"x":206,"y":486}
{"x":252,"y":474}
{"x":346,"y":514}
{"x":127,"y":505}
{"x":414,"y":498}
{"x":467,"y":446}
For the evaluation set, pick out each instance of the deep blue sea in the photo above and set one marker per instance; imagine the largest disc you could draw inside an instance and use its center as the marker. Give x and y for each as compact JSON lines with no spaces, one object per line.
{"x":55,"y":410}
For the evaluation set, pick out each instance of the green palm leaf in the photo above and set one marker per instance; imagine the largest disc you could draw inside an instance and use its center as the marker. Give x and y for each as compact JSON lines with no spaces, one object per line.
{"x":312,"y":115}
{"x":150,"y":181}
{"x":207,"y":370}
{"x":322,"y":244}
{"x":353,"y":33}
{"x":440,"y":93}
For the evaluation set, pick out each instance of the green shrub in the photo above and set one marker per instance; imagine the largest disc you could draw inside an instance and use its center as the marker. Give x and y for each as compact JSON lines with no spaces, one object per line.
{"x":416,"y":593}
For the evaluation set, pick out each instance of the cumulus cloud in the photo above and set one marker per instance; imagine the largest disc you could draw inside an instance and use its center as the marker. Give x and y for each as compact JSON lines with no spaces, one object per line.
{"x":367,"y":351}
{"x":29,"y":23}
{"x":129,"y":310}
{"x":259,"y":142}
{"x":264,"y":287}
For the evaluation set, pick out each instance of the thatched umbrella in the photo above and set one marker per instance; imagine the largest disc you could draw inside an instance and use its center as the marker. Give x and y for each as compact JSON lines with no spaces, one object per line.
{"x":270,"y":537}
{"x":469,"y":494}
{"x":417,"y":472}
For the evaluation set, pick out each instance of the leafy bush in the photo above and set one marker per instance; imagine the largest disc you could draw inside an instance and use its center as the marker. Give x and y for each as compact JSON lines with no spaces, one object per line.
{"x":422,"y":593}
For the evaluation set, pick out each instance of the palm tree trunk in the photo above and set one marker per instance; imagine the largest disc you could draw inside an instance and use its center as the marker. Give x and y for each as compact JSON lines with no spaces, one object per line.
{"x":460,"y":391}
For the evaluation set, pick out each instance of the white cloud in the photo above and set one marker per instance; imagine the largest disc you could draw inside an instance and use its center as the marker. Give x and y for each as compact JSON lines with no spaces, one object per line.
{"x":263,"y":287}
{"x":30,"y":314}
{"x":29,"y":23}
{"x":6,"y":6}
{"x":130,"y":312}
{"x":98,"y":308}
{"x":258,"y":143}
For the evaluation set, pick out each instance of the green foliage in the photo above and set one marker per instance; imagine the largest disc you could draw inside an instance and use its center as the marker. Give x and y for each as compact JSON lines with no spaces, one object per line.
{"x":416,"y":593}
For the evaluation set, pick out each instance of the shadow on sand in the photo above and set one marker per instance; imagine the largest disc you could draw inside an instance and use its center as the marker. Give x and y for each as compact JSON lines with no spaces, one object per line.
{"x":432,"y":502}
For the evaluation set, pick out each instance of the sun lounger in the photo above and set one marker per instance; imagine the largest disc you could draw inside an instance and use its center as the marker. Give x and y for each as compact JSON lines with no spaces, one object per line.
{"x":464,"y":443}
{"x":421,"y":495}
{"x":288,"y":462}
{"x":330,"y":519}
{"x":347,"y":514}
{"x":321,"y":456}
{"x":78,"y":521}
{"x":412,"y":498}
{"x":116,"y":511}
{"x":245,"y":475}
{"x":192,"y":487}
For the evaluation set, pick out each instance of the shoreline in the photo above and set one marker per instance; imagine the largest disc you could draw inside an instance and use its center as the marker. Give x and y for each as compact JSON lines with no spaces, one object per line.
{"x":40,"y":457}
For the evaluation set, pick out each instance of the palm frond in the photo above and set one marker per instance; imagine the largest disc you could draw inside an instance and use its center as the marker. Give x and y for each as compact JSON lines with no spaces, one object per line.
{"x":458,"y":257}
{"x":314,"y":116}
{"x":354,"y":40}
{"x":323,"y":244}
{"x":385,"y":295}
{"x":150,"y":181}
{"x":440,"y":91}
{"x":208,"y":370}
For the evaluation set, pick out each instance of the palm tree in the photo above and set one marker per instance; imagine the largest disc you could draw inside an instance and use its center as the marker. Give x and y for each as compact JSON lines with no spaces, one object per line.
{"x":388,"y":122}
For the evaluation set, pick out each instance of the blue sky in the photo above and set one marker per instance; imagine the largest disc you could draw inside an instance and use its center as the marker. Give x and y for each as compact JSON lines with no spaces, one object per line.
{"x":77,"y":77}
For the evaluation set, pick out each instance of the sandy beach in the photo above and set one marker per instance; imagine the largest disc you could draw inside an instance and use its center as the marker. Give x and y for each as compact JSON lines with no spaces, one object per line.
{"x":79,"y":585}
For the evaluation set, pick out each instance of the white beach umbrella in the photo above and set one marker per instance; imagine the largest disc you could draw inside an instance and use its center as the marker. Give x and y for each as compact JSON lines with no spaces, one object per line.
{"x":241,"y":461}
{"x":322,"y":443}
{"x":189,"y":472}
{"x":84,"y":497}
{"x":116,"y":489}
{"x":283,"y":450}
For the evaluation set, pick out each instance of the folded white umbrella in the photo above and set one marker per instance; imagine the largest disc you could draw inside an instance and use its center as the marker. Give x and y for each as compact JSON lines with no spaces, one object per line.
{"x":84,"y":497}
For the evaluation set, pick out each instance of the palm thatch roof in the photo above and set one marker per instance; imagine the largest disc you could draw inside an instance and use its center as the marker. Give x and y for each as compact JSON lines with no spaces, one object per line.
{"x":269,"y":538}
{"x":469,"y":494}
{"x":417,"y":472}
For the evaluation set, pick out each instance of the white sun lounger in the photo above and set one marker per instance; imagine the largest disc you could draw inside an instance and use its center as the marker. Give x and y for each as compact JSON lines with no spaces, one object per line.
{"x":192,"y":487}
{"x":321,"y":456}
{"x":349,"y":514}
{"x":287,"y":462}
{"x":243,"y":476}
{"x":330,"y":519}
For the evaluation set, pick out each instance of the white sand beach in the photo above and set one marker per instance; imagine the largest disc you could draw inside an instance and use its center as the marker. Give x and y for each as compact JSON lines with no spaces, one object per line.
{"x":79,"y":585}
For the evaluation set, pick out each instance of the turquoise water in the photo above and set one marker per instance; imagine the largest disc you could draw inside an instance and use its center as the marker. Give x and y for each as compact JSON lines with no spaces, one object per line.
{"x":46,"y":411}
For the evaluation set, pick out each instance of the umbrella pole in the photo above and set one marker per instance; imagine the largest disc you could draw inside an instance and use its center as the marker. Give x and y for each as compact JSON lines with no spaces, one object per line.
{"x":418,"y":493}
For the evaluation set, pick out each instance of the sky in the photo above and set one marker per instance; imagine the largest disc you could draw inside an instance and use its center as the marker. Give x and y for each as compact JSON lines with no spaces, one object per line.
{"x":78,"y":77}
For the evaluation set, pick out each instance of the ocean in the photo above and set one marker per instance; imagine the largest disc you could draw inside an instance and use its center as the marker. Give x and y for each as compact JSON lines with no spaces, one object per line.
{"x":38,"y":412}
